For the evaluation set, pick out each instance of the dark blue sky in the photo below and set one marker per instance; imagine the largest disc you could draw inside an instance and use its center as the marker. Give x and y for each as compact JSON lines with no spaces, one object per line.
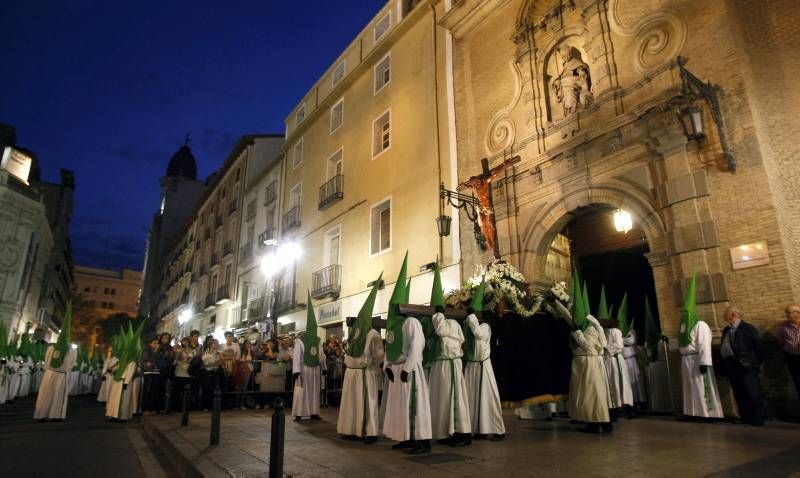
{"x":110,"y":88}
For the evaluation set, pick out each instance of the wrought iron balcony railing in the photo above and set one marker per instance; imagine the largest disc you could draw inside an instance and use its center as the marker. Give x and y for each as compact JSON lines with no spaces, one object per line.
{"x":331,"y":191}
{"x":326,"y":282}
{"x":292,"y":218}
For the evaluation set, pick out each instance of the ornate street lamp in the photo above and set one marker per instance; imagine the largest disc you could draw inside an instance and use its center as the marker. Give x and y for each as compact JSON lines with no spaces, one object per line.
{"x":443,"y":225}
{"x":623,"y":221}
{"x":272,"y":265}
{"x":691,"y":116}
{"x":469,"y":204}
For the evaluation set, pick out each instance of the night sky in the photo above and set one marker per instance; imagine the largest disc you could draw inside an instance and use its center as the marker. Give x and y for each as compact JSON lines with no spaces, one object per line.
{"x":110,"y":89}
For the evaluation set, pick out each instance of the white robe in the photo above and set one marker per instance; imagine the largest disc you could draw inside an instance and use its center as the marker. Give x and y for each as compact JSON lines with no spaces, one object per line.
{"x":408,"y":412}
{"x":619,"y":383}
{"x":588,"y":383}
{"x":53,"y":393}
{"x":631,"y":355}
{"x":449,"y":407}
{"x":119,"y":404}
{"x":700,"y":395}
{"x":12,"y":369}
{"x":658,"y":384}
{"x":36,"y":378}
{"x":305,"y":400}
{"x":73,"y":382}
{"x":136,"y":394}
{"x":486,"y":414}
{"x":358,"y":412}
{"x":24,"y":372}
{"x":109,"y":366}
{"x":4,"y":379}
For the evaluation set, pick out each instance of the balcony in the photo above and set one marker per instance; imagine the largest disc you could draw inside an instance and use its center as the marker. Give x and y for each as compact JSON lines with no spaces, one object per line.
{"x":209,"y":302}
{"x":218,"y":222}
{"x":233,"y":207}
{"x":256,"y":309}
{"x":286,"y":299}
{"x":331,"y":191}
{"x":292,"y":218}
{"x":246,"y":253}
{"x":267,"y":235}
{"x":326,"y":282}
{"x":223,"y":295}
{"x":271,"y":192}
{"x":214,"y":259}
{"x":227,"y":249}
{"x":251,"y":211}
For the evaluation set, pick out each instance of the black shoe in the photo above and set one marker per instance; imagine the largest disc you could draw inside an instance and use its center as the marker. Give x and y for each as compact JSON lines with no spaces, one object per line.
{"x":465,"y":441}
{"x":423,"y":446}
{"x":316,"y":417}
{"x":370,"y":440}
{"x":404,"y":444}
{"x":498,"y":437}
{"x":446,"y":441}
{"x":606,"y":427}
{"x":590,"y":428}
{"x":42,"y":420}
{"x":351,"y":438}
{"x":480,"y":436}
{"x":297,"y":419}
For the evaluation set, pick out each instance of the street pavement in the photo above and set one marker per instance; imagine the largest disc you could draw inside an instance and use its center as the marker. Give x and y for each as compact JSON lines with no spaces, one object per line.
{"x":639,"y":447}
{"x":84,"y":445}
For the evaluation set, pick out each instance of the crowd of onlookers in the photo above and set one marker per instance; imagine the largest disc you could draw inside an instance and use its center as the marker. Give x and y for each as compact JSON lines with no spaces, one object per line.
{"x":169,"y":366}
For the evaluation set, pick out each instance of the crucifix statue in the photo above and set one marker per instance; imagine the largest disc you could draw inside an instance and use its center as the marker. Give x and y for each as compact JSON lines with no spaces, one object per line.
{"x":482,"y":186}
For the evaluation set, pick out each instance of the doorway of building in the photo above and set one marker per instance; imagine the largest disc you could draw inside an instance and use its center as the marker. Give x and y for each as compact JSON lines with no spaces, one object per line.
{"x":604,"y":255}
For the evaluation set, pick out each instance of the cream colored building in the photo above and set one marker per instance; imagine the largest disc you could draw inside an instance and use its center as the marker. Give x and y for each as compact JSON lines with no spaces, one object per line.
{"x":102,"y":293}
{"x":366,"y":151}
{"x":588,"y":93}
{"x":199,"y":289}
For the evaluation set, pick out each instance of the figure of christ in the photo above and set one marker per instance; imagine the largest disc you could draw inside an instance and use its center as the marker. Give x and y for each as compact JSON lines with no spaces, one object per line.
{"x":481,"y":185}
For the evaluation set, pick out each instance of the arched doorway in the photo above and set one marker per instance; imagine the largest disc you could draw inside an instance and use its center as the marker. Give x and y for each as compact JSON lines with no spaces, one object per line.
{"x":605,"y":256}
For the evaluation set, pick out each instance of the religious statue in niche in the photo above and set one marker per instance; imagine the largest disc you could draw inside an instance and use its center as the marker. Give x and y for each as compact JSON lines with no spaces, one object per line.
{"x":572,"y":81}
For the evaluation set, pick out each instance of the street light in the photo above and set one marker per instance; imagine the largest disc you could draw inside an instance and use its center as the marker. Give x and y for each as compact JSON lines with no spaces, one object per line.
{"x":274,"y":264}
{"x":623,"y":222}
{"x":185,"y":316}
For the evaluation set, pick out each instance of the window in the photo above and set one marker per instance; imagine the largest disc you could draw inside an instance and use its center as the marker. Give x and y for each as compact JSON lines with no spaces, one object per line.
{"x":296,"y":195}
{"x":331,"y":248}
{"x":87,"y":289}
{"x":382,"y":27}
{"x":298,"y":154}
{"x":106,"y":291}
{"x":339,"y":72}
{"x":110,"y":305}
{"x":113,"y":291}
{"x":383,"y":72}
{"x":381,"y":134}
{"x":381,"y":227}
{"x":337,"y":115}
{"x":300,"y":115}
{"x":334,"y":165}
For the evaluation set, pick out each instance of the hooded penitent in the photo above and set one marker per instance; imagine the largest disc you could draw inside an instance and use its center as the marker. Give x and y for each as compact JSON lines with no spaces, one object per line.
{"x":625,"y":325}
{"x":3,"y":341}
{"x":130,"y":345}
{"x":477,"y":306}
{"x":585,"y":295}
{"x":394,"y":320}
{"x":25,"y":345}
{"x":689,"y":317}
{"x":61,"y":348}
{"x":310,"y":338}
{"x":357,"y":335}
{"x":433,"y":343}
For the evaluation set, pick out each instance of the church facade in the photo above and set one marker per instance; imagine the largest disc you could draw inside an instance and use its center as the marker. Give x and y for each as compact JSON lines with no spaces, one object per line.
{"x":596,"y":98}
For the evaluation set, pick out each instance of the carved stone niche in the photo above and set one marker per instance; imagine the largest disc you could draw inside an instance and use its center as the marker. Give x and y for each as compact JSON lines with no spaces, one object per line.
{"x":567,"y":80}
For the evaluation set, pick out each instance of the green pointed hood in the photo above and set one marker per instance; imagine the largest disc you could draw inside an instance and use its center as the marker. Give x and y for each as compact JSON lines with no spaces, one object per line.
{"x":394,"y":319}
{"x":25,"y":345}
{"x":477,"y":299}
{"x":689,"y":317}
{"x":578,"y":304}
{"x":652,"y":334}
{"x":3,"y":340}
{"x":602,"y":309}
{"x":625,"y":324}
{"x":310,"y":338}
{"x":357,"y":335}
{"x":61,"y":348}
{"x":585,"y":295}
{"x":437,"y":292}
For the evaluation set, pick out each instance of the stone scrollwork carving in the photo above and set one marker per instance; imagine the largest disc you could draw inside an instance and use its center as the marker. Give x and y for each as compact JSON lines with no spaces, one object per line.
{"x":502,"y":131}
{"x":658,"y":36}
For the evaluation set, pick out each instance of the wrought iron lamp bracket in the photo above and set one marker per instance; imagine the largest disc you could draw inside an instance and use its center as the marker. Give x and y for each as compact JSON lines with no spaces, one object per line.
{"x":468,"y":204}
{"x":693,"y":89}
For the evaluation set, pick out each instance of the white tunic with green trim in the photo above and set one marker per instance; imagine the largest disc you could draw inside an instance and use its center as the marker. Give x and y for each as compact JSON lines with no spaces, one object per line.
{"x":358,"y":412}
{"x":449,"y":406}
{"x":486,"y":413}
{"x":51,"y":402}
{"x":408,"y":412}
{"x":305,"y":401}
{"x":700,"y":395}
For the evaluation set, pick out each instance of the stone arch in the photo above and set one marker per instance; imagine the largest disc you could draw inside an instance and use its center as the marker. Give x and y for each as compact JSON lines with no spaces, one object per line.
{"x":552,"y":218}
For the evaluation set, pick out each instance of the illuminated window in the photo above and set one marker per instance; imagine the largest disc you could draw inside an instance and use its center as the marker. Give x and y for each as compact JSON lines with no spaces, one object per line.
{"x":382,"y":27}
{"x":381,"y":227}
{"x":383,"y":72}
{"x":298,"y":154}
{"x":337,"y":115}
{"x":381,"y":134}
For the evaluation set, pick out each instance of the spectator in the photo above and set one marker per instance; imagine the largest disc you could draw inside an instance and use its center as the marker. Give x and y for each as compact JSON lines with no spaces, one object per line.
{"x":789,"y":338}
{"x":741,"y":363}
{"x":185,"y":360}
{"x":285,"y":355}
{"x":211,"y":372}
{"x":243,"y":371}
{"x":269,"y":351}
{"x":153,"y":391}
{"x":229,"y":354}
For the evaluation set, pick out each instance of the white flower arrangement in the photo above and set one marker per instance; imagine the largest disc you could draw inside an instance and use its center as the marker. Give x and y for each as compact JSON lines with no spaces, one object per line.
{"x":504,"y":283}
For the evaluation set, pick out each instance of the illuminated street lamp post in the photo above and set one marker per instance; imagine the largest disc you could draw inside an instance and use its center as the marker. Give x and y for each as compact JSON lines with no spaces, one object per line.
{"x":274,"y":265}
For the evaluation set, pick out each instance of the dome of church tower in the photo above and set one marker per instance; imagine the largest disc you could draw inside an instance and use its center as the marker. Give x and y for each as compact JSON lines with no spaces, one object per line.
{"x":182,"y":164}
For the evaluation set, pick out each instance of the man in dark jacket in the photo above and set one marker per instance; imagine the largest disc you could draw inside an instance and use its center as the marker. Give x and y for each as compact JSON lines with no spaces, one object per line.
{"x":742,"y":356}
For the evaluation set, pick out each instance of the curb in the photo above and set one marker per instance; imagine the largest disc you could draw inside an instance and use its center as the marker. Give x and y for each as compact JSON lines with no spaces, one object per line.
{"x":186,"y":466}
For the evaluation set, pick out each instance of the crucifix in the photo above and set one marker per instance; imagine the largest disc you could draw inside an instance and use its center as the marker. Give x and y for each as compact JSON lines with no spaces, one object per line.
{"x":482,"y":186}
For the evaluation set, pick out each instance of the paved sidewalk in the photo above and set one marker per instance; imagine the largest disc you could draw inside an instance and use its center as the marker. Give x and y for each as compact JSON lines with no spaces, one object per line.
{"x":644,"y":446}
